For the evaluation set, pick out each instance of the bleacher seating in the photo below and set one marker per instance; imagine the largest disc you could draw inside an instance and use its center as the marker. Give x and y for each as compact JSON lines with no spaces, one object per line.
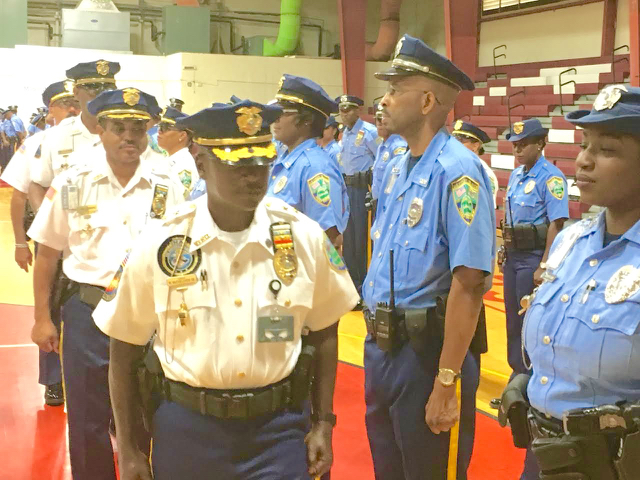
{"x":538,"y":93}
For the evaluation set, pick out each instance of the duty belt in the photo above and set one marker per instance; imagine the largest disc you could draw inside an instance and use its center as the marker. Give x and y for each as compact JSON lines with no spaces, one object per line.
{"x":542,"y":426}
{"x":359,"y":179}
{"x":228,"y":404}
{"x":525,"y":237}
{"x":89,"y":294}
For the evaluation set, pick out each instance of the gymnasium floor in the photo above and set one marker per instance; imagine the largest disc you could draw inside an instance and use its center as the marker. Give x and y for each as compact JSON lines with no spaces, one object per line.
{"x":33,"y":442}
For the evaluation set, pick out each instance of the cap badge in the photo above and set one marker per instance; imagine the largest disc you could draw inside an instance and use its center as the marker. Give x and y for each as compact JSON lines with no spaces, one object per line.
{"x":131,"y":96}
{"x":608,"y":97}
{"x":249,"y":122}
{"x":518,"y":128}
{"x":398,"y":47}
{"x":458,"y":125}
{"x":68,"y":86}
{"x":102,"y":67}
{"x":281,"y":83}
{"x":344,"y":99}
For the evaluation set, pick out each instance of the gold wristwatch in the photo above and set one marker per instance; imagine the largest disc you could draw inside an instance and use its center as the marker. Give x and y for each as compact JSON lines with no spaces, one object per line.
{"x":447,"y":377}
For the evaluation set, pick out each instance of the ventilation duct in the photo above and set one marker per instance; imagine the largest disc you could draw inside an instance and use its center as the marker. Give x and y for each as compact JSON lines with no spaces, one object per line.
{"x":96,"y":24}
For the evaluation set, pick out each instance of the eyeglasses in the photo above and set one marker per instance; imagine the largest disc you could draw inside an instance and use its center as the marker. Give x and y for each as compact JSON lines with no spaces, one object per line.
{"x":97,"y":88}
{"x":166,"y":127}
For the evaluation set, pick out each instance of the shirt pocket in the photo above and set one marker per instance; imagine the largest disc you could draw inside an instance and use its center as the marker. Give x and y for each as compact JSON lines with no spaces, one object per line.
{"x":410,"y":252}
{"x":537,"y":315}
{"x":607,"y":338}
{"x":85,"y":231}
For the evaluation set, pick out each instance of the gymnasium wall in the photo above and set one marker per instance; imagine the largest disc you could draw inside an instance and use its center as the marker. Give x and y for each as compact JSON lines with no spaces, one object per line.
{"x":573,"y":32}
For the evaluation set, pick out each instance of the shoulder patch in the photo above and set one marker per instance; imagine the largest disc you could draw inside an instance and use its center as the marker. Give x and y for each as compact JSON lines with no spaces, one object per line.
{"x":168,"y":259}
{"x":465,"y":193}
{"x":556,"y":187}
{"x":320,"y":188}
{"x":38,"y":153}
{"x":334,"y":258}
{"x":185,"y":178}
{"x":399,"y":150}
{"x":111,"y":291}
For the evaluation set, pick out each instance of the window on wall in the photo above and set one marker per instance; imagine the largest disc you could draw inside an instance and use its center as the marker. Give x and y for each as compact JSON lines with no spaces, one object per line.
{"x":499,"y":6}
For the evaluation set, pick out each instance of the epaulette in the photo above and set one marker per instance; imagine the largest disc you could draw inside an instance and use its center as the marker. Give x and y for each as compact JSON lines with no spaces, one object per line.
{"x":399,"y":150}
{"x":279,"y":209}
{"x":179,"y":211}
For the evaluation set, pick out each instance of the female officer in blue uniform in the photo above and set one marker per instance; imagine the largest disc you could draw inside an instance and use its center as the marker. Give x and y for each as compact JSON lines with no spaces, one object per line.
{"x":305,"y":176}
{"x":536,"y":207}
{"x":581,"y":330}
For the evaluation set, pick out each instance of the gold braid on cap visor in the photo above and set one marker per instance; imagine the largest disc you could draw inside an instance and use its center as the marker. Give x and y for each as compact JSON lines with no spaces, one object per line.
{"x":466,"y":134}
{"x":408,"y":65}
{"x":228,"y":155}
{"x":293,"y":99}
{"x":59,"y":96}
{"x":122,"y":113}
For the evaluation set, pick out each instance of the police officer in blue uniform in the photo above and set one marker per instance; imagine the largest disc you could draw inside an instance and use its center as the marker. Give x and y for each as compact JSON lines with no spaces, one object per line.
{"x":357,"y":153}
{"x":581,"y":328}
{"x":14,"y":133}
{"x":536,"y":207}
{"x":391,"y":146}
{"x":329,"y":139}
{"x":305,"y":176}
{"x":439,"y":224}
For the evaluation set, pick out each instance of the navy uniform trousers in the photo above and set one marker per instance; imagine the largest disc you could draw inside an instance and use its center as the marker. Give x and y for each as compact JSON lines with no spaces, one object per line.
{"x":355,"y":236}
{"x":49,"y":372}
{"x":397,"y":388}
{"x":518,"y":281}
{"x":191,"y":446}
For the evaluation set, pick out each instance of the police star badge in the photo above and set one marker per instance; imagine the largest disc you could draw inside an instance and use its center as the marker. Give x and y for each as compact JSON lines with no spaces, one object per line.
{"x":528,"y":188}
{"x":131,"y":96}
{"x":623,"y":284}
{"x":415,"y":212}
{"x":608,"y":97}
{"x":518,"y":128}
{"x":556,"y":187}
{"x":249,"y":121}
{"x":285,"y":262}
{"x":282,"y":181}
{"x":102,"y":67}
{"x":320,"y":188}
{"x":466,"y":192}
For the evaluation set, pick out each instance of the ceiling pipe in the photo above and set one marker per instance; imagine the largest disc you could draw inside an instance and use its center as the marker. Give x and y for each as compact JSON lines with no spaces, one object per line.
{"x":288,"y":33}
{"x":388,"y":32}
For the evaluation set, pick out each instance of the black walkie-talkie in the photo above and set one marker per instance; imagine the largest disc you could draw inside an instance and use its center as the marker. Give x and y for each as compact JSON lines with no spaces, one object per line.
{"x":387,"y":317}
{"x":507,"y":234}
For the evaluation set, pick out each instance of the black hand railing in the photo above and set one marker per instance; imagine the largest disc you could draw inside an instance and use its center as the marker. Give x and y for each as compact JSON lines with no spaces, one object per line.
{"x":560,"y":84}
{"x":614,"y":61}
{"x":509,"y":107}
{"x":495,"y":57}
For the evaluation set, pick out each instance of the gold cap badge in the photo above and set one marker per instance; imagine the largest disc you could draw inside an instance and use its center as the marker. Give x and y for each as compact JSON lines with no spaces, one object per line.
{"x":131,"y":96}
{"x":281,"y":83}
{"x":458,"y":125}
{"x":249,"y":121}
{"x":608,"y":97}
{"x":344,"y":99}
{"x":398,"y":47}
{"x":518,"y":128}
{"x":102,"y":67}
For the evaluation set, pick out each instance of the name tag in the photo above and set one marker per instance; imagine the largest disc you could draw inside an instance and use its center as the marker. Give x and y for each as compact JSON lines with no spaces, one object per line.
{"x":69,"y":197}
{"x":278,"y":328}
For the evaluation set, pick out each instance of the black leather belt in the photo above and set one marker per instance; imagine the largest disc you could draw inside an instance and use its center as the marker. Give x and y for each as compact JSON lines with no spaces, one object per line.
{"x":525,"y":237}
{"x":227,"y":404}
{"x":89,"y":294}
{"x":544,"y":427}
{"x":359,"y":179}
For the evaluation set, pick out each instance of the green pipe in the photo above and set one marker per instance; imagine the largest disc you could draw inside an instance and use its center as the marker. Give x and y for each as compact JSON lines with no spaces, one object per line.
{"x":289,"y":32}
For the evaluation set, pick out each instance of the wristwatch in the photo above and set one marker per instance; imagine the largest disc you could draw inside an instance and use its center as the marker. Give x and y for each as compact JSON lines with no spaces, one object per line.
{"x":328,"y":417}
{"x":447,"y":377}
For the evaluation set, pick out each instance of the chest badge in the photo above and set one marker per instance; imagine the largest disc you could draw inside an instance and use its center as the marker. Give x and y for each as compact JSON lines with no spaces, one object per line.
{"x":282,"y":181}
{"x":359,"y":138}
{"x":159,"y":202}
{"x":528,"y":188}
{"x":285,"y":262}
{"x":385,"y":157}
{"x":415,"y":212}
{"x":623,"y":284}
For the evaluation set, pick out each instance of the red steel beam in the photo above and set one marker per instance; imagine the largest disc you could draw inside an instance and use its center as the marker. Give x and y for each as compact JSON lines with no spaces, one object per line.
{"x":609,"y":27}
{"x":352,"y":15}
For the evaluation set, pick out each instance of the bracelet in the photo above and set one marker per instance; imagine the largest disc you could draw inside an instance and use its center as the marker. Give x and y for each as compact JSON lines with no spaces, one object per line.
{"x":22,"y":245}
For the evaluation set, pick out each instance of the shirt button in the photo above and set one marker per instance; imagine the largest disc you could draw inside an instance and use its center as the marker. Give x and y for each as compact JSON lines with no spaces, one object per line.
{"x":390,"y":226}
{"x":235,"y":264}
{"x":593,"y":262}
{"x":242,"y":374}
{"x":240,"y":338}
{"x":238,"y":302}
{"x":544,"y":380}
{"x":380,"y":255}
{"x":124,"y":223}
{"x":520,"y":183}
{"x":546,"y":339}
{"x":406,"y":243}
{"x":564,"y":298}
{"x":522,"y":204}
{"x":595,"y":318}
{"x":400,"y":198}
{"x":371,"y":284}
{"x":273,"y":177}
{"x":287,"y":303}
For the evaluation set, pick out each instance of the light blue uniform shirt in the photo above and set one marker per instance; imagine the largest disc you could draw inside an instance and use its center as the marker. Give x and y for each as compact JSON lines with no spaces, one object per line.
{"x":585,"y":350}
{"x":13,"y":126}
{"x":359,"y":147}
{"x":199,"y":189}
{"x":537,"y":196}
{"x":426,"y":254}
{"x":333,"y":149}
{"x":310,"y":181}
{"x":32,"y":129}
{"x":392,"y":147}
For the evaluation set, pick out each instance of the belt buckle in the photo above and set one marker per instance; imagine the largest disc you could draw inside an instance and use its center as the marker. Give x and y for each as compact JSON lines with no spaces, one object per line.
{"x":238,"y":405}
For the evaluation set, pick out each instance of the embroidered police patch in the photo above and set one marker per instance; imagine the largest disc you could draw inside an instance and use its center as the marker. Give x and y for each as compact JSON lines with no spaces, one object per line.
{"x":556,"y":187}
{"x":319,"y":187}
{"x":335,"y":260}
{"x":465,"y":192}
{"x":111,"y":291}
{"x":168,"y":256}
{"x":185,"y":178}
